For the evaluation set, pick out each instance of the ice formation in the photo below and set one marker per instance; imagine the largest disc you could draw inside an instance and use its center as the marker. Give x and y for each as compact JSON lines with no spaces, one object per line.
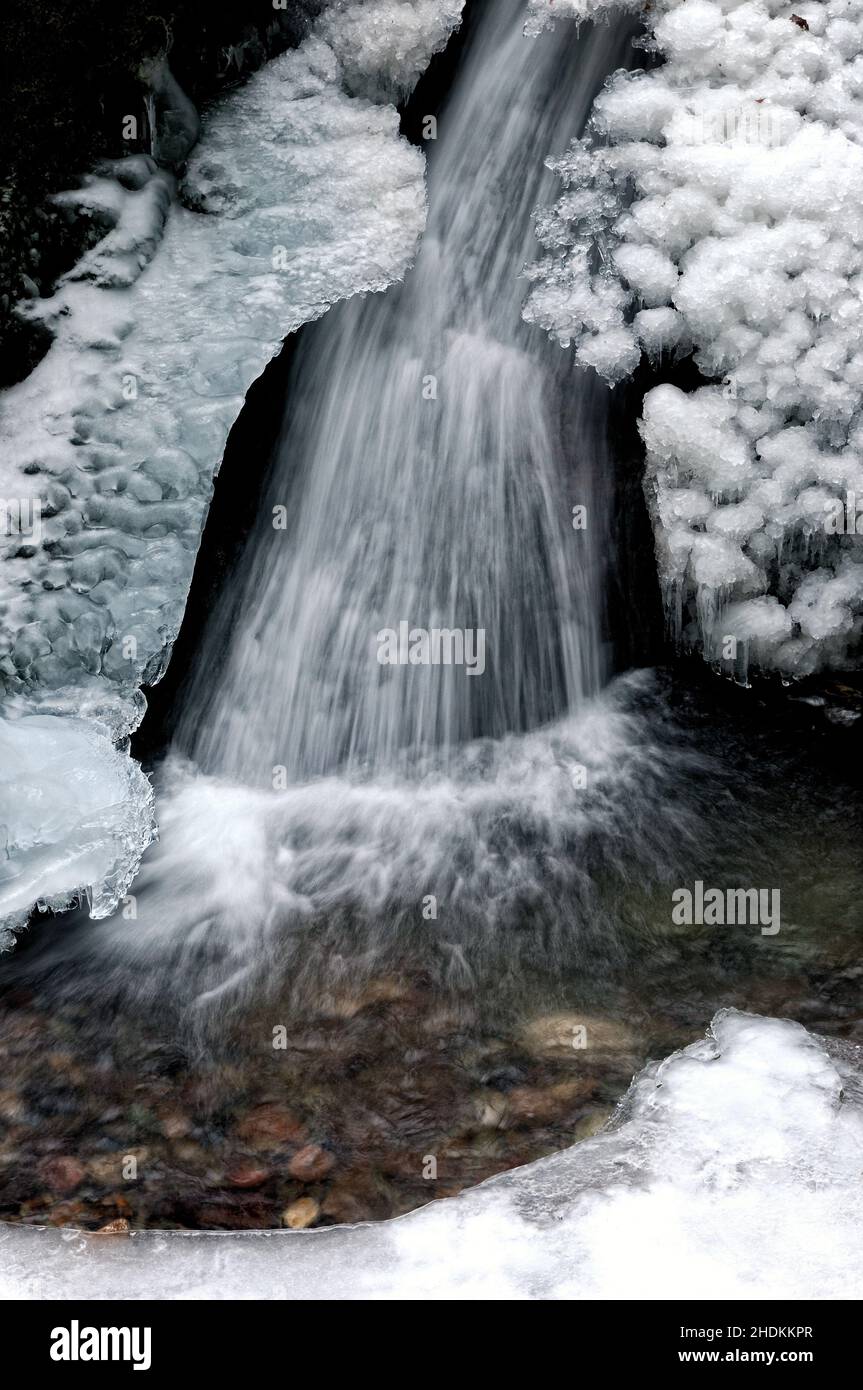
{"x":714,"y":207}
{"x":78,"y":814}
{"x":385,"y":45}
{"x":298,"y":195}
{"x":730,"y":1170}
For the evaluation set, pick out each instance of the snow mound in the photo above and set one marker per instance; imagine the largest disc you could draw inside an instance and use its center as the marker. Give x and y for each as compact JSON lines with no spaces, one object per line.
{"x":730,"y":1170}
{"x":713,"y":208}
{"x":78,"y":815}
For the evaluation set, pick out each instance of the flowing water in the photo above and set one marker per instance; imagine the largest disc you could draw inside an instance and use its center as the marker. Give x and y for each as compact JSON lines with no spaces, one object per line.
{"x":388,"y":897}
{"x":424,"y":475}
{"x":433,"y":448}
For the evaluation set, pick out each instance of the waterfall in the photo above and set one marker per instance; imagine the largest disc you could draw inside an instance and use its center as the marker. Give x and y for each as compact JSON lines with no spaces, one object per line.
{"x":321,"y":812}
{"x":423,"y":478}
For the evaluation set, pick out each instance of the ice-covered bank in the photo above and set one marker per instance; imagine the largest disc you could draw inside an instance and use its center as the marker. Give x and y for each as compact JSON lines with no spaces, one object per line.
{"x":731,"y":1170}
{"x":83,"y":813}
{"x":299,"y":194}
{"x":715,"y":209}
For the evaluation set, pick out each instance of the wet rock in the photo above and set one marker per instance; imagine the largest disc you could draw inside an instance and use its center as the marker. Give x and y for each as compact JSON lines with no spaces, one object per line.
{"x":62,"y":1173}
{"x":350,"y":1204}
{"x":311,"y":1163}
{"x":269,"y":1127}
{"x":591,"y":1124}
{"x":12,"y":1107}
{"x":60,"y":1061}
{"x":578,"y":1036}
{"x":106,"y":1169}
{"x":189,"y":1156}
{"x":300,"y":1214}
{"x":490,"y":1109}
{"x":175,"y":1124}
{"x":542,"y":1104}
{"x":69,"y":1214}
{"x":247,"y":1175}
{"x":503,"y":1078}
{"x":236,"y":1214}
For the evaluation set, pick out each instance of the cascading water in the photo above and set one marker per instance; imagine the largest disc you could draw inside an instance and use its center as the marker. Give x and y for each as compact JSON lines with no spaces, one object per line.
{"x":433,"y":448}
{"x":424,"y":475}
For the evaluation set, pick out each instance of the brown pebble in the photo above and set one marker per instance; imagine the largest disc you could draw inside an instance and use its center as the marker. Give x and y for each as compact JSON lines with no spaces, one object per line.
{"x":175,"y":1125}
{"x":247,"y":1175}
{"x":579,"y":1037}
{"x":311,"y":1163}
{"x":268,"y":1126}
{"x":62,"y":1173}
{"x":544,"y":1103}
{"x":301,"y":1213}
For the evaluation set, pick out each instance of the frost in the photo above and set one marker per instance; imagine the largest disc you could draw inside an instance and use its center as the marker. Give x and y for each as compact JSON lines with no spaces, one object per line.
{"x":731,"y":1170}
{"x":713,"y":208}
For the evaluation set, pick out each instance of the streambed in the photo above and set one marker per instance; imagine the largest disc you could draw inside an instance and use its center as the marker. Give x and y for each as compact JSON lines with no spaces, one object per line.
{"x":384,"y":1080}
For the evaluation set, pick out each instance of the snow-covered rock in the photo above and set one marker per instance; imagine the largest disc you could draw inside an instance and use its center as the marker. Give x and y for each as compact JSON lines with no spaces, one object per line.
{"x":730,"y":1170}
{"x":714,"y":207}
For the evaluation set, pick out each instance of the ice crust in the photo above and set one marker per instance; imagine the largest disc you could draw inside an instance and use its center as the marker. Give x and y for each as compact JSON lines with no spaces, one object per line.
{"x":714,"y":206}
{"x":730,"y":1170}
{"x":81,"y":815}
{"x":298,"y":195}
